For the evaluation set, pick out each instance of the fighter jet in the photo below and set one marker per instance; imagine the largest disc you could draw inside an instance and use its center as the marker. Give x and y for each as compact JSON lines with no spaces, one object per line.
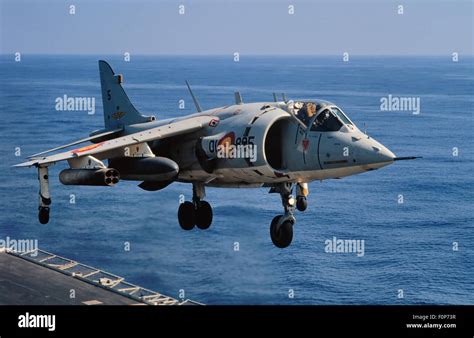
{"x":282,"y":145}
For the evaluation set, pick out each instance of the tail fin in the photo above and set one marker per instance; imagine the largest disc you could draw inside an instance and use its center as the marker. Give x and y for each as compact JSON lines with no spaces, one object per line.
{"x":118,"y":110}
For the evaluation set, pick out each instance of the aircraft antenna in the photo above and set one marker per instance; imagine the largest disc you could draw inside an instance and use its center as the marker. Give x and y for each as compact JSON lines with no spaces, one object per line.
{"x":238,"y":98}
{"x":196,"y":102}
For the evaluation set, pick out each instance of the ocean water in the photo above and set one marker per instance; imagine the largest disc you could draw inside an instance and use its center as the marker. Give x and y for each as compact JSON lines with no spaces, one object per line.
{"x":408,"y":246}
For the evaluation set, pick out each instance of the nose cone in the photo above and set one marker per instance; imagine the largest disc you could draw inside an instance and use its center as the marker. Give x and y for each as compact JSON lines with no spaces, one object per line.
{"x":382,"y":154}
{"x":374,"y":154}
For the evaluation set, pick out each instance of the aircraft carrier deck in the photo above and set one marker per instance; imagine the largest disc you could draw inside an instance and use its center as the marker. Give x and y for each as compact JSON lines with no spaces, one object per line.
{"x":42,"y":278}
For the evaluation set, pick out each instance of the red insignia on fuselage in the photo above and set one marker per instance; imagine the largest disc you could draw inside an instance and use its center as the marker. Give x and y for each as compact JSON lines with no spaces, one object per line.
{"x":305,"y":144}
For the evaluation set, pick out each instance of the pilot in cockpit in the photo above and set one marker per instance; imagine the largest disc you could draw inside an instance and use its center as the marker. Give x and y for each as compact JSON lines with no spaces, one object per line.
{"x":306,"y":111}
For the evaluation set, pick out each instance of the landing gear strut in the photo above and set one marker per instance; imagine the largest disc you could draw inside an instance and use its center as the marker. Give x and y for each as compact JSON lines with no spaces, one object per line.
{"x":44,"y":196}
{"x":197,"y":212}
{"x":281,"y":228}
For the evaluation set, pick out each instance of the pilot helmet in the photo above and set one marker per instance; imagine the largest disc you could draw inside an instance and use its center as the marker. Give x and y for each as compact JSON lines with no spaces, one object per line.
{"x":310,"y":109}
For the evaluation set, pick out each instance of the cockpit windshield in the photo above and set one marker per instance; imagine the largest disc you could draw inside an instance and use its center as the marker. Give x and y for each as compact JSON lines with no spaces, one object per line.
{"x":326,"y":121}
{"x":341,"y":115}
{"x":329,"y":119}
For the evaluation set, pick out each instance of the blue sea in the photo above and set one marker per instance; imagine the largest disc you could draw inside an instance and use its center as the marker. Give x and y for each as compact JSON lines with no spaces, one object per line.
{"x":408,"y":246}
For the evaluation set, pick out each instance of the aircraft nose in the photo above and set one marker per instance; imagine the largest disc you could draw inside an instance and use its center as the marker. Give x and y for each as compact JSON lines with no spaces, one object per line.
{"x":381,"y":153}
{"x":373,"y":154}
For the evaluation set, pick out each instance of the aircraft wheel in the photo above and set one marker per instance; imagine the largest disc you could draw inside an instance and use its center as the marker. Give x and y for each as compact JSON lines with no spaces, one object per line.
{"x":283,"y":235}
{"x":204,"y":215}
{"x":43,"y":215}
{"x":301,"y":203}
{"x":187,"y":215}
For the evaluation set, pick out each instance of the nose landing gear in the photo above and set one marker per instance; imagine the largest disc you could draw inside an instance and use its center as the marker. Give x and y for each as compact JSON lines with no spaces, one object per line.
{"x":196,"y":213}
{"x":281,"y":231}
{"x":281,"y":228}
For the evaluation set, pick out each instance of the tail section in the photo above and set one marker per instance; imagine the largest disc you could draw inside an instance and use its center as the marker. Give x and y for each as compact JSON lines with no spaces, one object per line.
{"x":118,"y":110}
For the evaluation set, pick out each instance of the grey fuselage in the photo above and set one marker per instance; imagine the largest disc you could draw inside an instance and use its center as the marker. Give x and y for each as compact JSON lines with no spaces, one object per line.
{"x":286,"y":151}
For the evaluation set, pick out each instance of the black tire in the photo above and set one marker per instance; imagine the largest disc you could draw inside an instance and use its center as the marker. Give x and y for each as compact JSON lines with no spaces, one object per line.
{"x":43,"y":215}
{"x":273,"y":225}
{"x":282,"y":236}
{"x":187,"y":215}
{"x":301,"y":203}
{"x":204,"y":215}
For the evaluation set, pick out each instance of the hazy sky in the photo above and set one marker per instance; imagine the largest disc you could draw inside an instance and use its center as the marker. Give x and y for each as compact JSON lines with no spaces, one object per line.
{"x":248,"y":27}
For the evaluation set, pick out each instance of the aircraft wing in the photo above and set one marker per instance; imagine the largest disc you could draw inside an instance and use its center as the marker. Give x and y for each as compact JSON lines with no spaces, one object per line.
{"x":180,"y":127}
{"x":83,"y":140}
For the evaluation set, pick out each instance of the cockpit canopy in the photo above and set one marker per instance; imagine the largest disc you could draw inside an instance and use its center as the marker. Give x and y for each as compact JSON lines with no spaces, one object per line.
{"x":322,"y":115}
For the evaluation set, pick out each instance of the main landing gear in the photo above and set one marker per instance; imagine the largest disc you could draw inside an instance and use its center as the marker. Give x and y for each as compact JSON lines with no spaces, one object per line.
{"x":196,"y":213}
{"x":281,"y":228}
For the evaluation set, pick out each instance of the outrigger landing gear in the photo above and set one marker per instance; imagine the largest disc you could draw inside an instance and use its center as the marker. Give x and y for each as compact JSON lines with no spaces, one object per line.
{"x":281,"y":228}
{"x":44,"y":196}
{"x":197,"y":212}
